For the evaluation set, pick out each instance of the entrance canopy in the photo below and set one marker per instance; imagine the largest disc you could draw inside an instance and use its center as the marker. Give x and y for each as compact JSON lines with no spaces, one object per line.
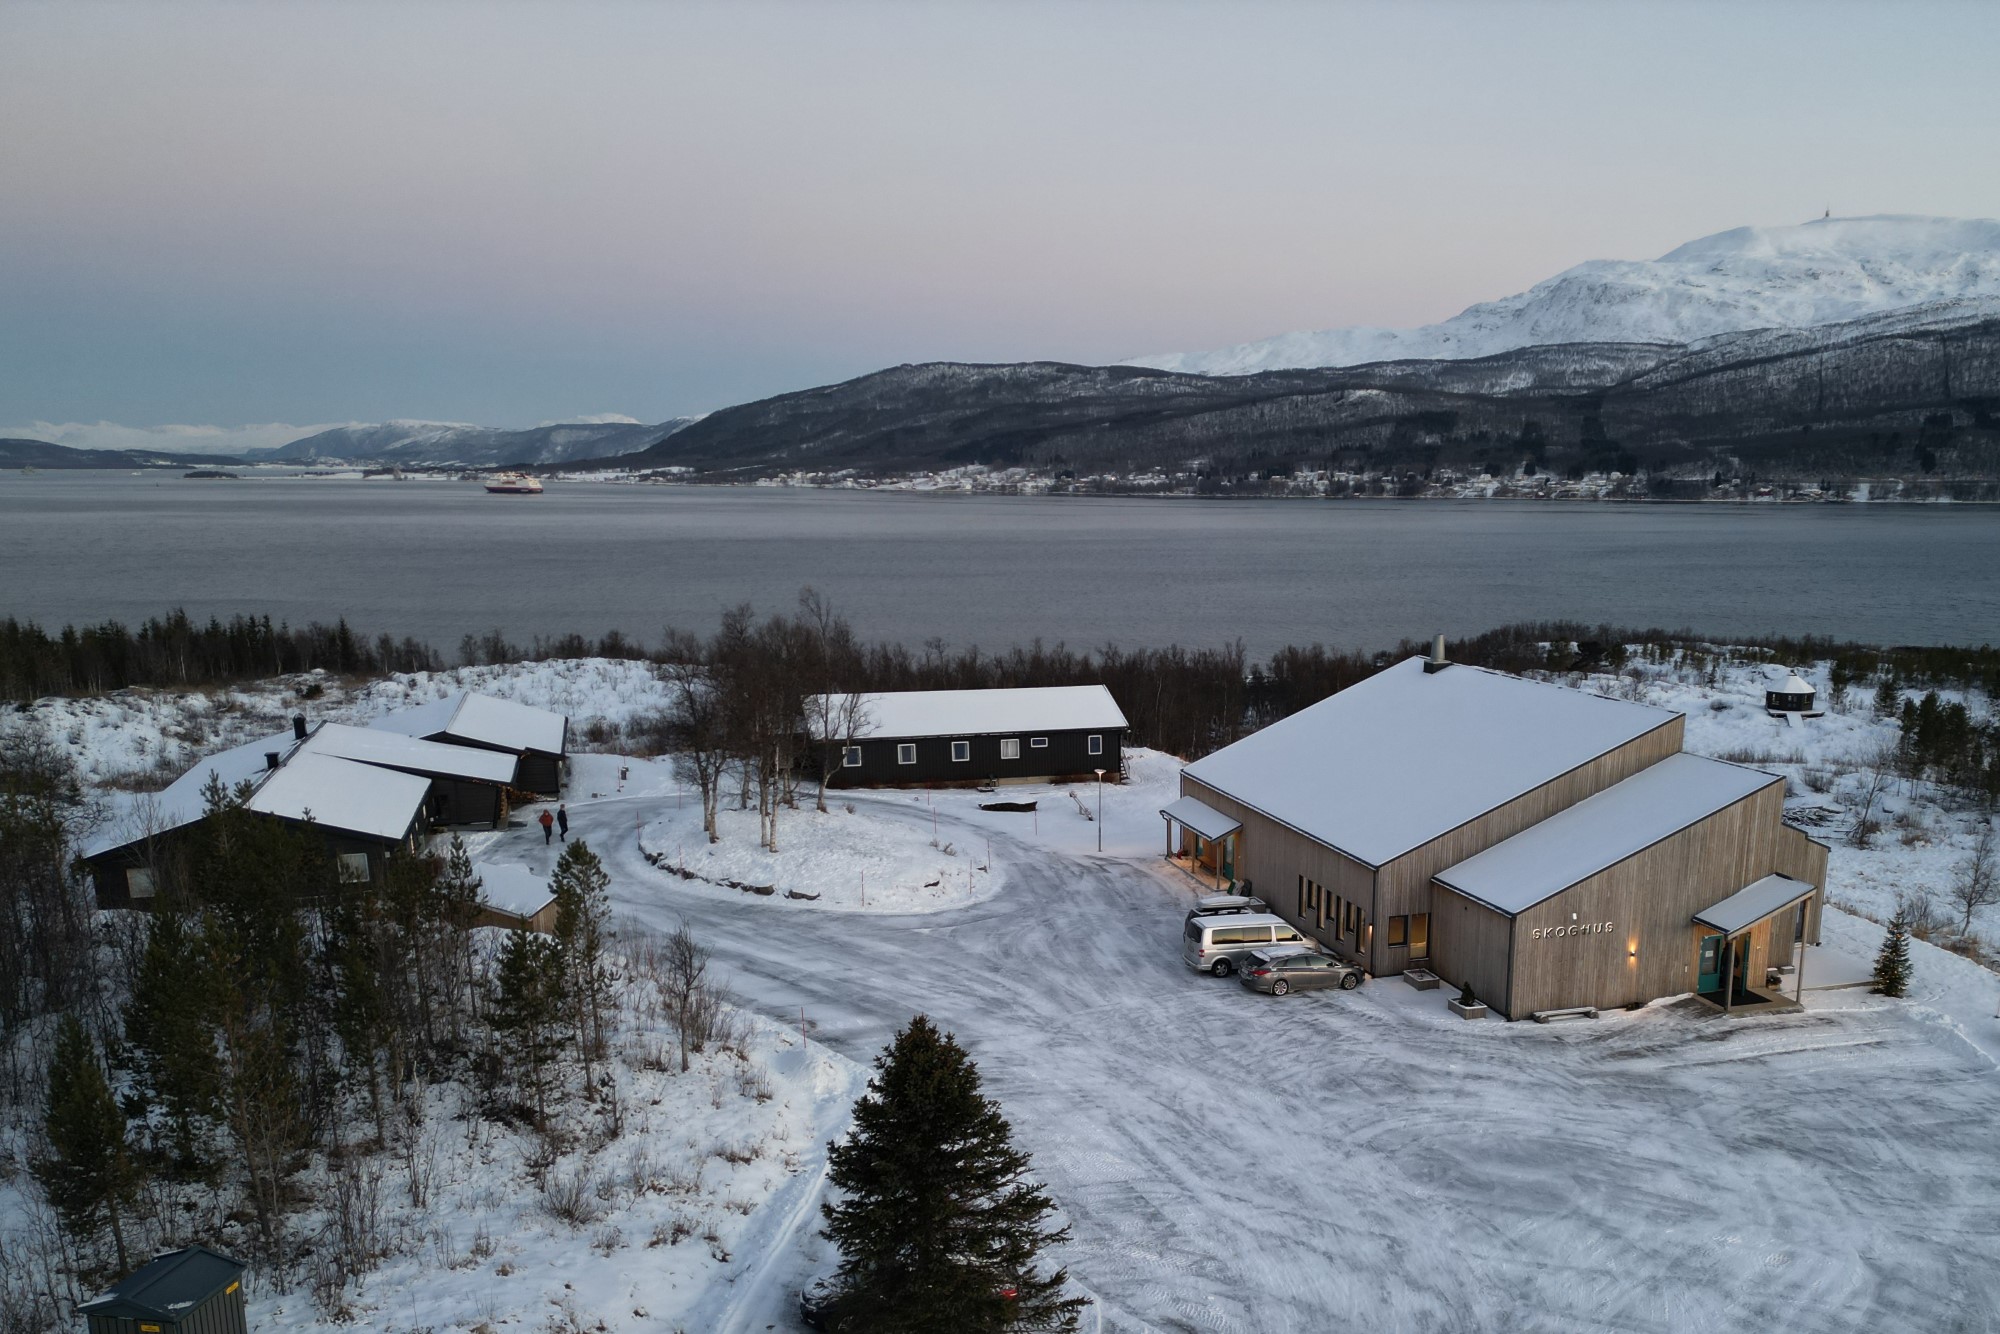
{"x":1753,"y":903}
{"x":1203,"y":819}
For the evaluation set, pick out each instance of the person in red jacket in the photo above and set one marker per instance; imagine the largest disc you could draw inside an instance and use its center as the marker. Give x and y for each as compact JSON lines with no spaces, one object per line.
{"x":548,"y":826}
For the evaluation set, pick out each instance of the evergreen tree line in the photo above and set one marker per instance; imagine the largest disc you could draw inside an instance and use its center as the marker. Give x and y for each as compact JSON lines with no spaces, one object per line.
{"x":266,"y":1017}
{"x":175,"y":650}
{"x":1942,"y":743}
{"x":1186,"y":701}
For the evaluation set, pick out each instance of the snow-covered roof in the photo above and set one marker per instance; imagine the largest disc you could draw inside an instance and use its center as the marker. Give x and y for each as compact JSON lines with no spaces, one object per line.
{"x":513,"y":888}
{"x":1204,"y":819}
{"x":1794,"y":685}
{"x":1405,"y":756}
{"x":1600,"y":831}
{"x":181,"y":802}
{"x":371,"y":745}
{"x":484,"y":719}
{"x":343,"y":794}
{"x":964,"y":713}
{"x":1753,"y":903}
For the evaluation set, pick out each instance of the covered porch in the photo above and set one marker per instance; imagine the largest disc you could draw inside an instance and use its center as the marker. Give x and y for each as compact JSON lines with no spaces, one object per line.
{"x":1735,"y":949}
{"x":1202,"y":840}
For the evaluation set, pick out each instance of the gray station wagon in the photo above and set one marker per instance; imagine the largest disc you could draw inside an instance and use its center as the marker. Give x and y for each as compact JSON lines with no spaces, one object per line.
{"x":1284,"y":969}
{"x":1215,"y":944}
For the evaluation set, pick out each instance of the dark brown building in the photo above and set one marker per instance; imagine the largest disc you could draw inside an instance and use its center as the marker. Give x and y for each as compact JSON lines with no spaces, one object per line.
{"x":964,"y":738}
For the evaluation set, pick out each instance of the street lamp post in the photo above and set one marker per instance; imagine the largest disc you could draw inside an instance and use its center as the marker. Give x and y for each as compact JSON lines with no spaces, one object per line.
{"x":1100,"y":810}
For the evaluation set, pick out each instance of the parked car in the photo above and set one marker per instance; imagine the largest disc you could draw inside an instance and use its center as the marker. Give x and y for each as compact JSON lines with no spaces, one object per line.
{"x":1213,"y":905}
{"x":1283,"y":969}
{"x":1214,"y":944}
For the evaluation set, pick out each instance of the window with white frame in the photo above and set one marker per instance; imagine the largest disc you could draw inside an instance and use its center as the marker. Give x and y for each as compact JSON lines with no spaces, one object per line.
{"x":353,"y":868}
{"x":139,"y":882}
{"x":906,"y":753}
{"x":961,"y":751}
{"x":850,"y":757}
{"x":1094,"y":744}
{"x":1038,"y":743}
{"x":1010,"y":748}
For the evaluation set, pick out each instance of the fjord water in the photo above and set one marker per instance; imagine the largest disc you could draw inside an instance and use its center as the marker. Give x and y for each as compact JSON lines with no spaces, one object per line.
{"x":439,"y":560}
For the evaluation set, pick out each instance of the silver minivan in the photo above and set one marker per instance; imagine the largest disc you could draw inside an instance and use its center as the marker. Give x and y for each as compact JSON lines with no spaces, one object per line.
{"x":1214,"y":944}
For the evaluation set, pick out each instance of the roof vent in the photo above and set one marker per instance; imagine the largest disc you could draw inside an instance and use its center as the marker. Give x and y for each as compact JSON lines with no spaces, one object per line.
{"x":298,"y":727}
{"x":271,"y":758}
{"x":1437,"y":661}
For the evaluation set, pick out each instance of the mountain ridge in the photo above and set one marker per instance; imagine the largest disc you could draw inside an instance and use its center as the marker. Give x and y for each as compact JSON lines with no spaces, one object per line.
{"x":1826,"y":271}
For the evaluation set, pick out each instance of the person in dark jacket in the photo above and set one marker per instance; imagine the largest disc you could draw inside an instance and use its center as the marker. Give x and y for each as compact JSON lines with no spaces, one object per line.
{"x":562,"y":821}
{"x":548,"y":826}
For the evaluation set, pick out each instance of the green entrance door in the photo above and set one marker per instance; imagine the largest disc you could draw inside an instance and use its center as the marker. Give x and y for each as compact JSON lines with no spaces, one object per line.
{"x":1709,"y":970}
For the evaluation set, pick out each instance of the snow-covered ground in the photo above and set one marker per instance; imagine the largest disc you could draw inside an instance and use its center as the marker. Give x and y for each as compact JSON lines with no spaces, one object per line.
{"x":713,"y":1172}
{"x":144,"y":738}
{"x":1925,"y":835}
{"x":1233,"y":1162}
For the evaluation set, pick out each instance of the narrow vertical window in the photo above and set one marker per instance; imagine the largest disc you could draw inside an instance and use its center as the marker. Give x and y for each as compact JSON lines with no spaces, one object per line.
{"x":1399,"y":932}
{"x":850,"y":757}
{"x":1094,"y":744}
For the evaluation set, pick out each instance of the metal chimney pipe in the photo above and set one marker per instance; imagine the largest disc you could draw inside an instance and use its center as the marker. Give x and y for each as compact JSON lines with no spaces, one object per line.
{"x":1437,"y":662}
{"x":299,"y":719}
{"x":271,"y":758}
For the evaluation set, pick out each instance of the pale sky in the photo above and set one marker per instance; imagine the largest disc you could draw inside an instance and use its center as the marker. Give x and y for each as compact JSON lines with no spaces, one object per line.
{"x":284,"y":213}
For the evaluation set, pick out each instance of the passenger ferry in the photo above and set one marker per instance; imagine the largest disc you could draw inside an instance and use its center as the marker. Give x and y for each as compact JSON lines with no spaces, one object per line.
{"x":514,"y":484}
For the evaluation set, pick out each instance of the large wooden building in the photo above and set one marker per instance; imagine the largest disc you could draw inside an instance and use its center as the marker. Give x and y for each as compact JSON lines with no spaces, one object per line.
{"x":967,"y":738}
{"x":1551,"y":847}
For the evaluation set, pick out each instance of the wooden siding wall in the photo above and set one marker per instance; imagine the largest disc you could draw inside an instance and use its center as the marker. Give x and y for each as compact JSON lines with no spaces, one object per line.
{"x":1066,"y":756}
{"x":1272,"y":857}
{"x":463,"y":802}
{"x":1650,"y":900}
{"x":1802,"y":858}
{"x":540,"y":773}
{"x":1404,"y":885}
{"x":1472,"y":943}
{"x":162,"y":853}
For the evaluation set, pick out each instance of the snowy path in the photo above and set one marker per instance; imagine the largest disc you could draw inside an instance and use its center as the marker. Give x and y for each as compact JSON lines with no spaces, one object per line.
{"x":1238,"y":1163}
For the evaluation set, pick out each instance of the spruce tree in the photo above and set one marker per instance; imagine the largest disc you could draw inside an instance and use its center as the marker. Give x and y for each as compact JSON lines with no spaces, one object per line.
{"x":1892,"y":962}
{"x":583,"y":914}
{"x":938,"y":1223}
{"x":88,"y":1172}
{"x":170,"y":1026}
{"x":528,"y":1010}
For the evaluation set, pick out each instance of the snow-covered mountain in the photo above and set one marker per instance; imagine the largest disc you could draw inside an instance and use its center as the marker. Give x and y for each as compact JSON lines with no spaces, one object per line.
{"x":1820,"y":272}
{"x":429,"y":443}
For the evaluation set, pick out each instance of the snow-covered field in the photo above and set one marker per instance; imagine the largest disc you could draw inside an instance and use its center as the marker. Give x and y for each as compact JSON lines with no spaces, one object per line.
{"x":1232,"y":1162}
{"x":649,"y":1232}
{"x":144,"y":738}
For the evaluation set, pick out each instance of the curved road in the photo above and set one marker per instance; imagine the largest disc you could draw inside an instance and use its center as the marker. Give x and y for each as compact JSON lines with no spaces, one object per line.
{"x":1235,"y":1163}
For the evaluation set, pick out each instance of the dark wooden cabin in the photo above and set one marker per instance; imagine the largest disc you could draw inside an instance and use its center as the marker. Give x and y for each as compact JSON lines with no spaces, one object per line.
{"x":364,"y":812}
{"x":967,"y":738}
{"x":538,"y":739}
